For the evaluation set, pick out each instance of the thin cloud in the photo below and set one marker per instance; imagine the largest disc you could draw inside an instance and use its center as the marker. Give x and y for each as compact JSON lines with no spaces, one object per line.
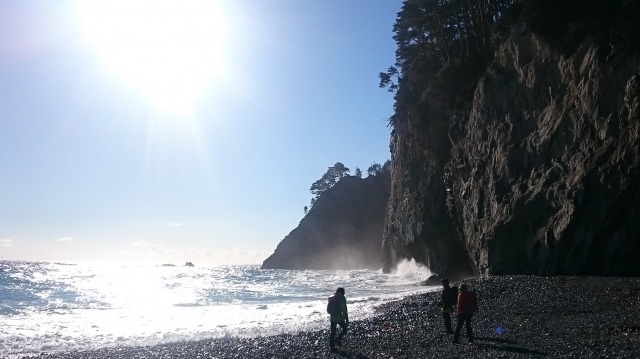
{"x":6,"y":242}
{"x":175,"y":224}
{"x":140,"y":244}
{"x":65,"y":239}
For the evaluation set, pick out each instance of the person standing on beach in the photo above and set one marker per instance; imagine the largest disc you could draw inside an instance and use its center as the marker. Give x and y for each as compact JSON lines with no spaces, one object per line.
{"x":467,"y":306}
{"x":339,"y":316}
{"x":447,"y":301}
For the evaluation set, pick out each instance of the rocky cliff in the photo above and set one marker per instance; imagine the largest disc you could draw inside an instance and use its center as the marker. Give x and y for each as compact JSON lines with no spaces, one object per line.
{"x":536,"y":168}
{"x":343,"y":229}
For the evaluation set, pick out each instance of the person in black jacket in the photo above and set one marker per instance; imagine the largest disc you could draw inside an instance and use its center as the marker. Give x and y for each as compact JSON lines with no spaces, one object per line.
{"x":447,"y":301}
{"x":340,"y":317}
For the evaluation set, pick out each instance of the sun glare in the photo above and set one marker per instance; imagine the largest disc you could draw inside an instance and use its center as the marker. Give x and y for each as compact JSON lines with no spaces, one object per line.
{"x":169,"y":50}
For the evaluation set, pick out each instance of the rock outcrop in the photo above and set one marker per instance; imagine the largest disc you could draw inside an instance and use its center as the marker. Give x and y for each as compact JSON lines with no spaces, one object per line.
{"x":343,"y":229}
{"x":536,"y":172}
{"x":546,"y":179}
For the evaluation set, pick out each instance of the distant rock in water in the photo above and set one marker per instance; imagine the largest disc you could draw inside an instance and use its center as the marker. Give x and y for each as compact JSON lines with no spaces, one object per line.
{"x":343,"y":229}
{"x":188,"y":264}
{"x":531,"y":165}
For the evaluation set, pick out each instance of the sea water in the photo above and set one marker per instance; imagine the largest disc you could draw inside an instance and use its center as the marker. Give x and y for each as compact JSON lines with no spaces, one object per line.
{"x":52,"y":307}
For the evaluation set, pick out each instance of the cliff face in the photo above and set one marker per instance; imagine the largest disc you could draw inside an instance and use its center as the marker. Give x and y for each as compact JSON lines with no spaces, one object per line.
{"x":537,"y":173}
{"x":546,"y":179}
{"x":343,"y":229}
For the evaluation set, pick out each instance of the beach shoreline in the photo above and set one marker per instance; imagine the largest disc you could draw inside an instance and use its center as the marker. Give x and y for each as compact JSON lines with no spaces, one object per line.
{"x":519,"y":317}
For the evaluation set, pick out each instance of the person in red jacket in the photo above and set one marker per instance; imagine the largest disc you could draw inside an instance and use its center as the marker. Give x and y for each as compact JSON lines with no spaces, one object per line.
{"x":467,"y":306}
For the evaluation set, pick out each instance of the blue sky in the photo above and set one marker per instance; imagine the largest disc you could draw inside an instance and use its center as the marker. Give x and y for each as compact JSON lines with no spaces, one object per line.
{"x":101,"y":162}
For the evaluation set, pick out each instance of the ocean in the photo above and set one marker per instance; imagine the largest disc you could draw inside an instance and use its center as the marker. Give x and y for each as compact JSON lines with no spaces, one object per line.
{"x":50,"y":307}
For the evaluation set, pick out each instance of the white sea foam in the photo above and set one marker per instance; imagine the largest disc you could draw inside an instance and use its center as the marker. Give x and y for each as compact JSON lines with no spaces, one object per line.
{"x":47,"y":307}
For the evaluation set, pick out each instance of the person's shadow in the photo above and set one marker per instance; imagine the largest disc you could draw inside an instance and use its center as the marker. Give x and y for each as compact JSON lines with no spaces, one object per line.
{"x":346,"y":354}
{"x":509,"y":345}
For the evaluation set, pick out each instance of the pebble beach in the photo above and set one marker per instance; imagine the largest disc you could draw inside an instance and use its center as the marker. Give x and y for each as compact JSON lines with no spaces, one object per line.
{"x":519,"y":317}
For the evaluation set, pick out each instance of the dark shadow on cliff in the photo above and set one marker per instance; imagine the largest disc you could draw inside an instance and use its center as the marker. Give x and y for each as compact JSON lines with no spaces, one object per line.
{"x":510,"y":346}
{"x":343,"y":229}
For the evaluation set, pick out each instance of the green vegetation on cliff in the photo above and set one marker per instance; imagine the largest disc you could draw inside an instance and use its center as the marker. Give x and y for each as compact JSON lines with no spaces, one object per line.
{"x":443,"y":46}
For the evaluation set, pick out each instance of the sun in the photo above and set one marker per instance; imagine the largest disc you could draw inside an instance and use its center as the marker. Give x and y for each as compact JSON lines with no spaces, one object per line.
{"x":169,"y":50}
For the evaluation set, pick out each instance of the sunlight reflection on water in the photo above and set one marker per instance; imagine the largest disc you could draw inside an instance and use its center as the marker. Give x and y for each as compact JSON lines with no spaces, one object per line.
{"x":65,"y":307}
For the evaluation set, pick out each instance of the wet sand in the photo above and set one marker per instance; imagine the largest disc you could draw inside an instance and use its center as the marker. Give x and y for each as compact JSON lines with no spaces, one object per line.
{"x":519,"y":317}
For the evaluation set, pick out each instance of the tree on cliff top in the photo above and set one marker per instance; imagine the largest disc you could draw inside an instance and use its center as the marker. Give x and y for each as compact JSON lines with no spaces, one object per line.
{"x":436,"y":35}
{"x":376,"y":169}
{"x":432,"y":35}
{"x":330,"y":178}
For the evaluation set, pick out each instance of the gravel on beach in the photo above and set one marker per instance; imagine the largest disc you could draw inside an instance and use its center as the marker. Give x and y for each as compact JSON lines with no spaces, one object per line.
{"x":519,"y":317}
